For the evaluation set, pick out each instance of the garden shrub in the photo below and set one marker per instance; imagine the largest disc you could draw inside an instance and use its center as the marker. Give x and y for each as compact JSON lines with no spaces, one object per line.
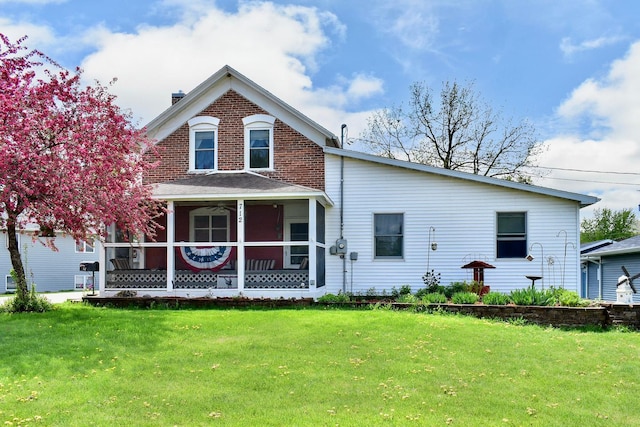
{"x":33,"y":303}
{"x":567,"y":298}
{"x":456,"y":287}
{"x":431,"y":281}
{"x":420,"y":294}
{"x":464,"y":298}
{"x":496,"y":298}
{"x":397,"y":293}
{"x":532,"y":296}
{"x":407,"y":298}
{"x":434,"y":298}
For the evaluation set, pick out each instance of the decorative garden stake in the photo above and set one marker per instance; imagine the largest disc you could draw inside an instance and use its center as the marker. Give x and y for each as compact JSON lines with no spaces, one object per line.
{"x":625,"y":288}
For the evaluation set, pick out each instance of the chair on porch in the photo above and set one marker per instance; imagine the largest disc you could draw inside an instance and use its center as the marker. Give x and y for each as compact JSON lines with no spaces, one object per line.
{"x":260,"y":264}
{"x":120,"y":263}
{"x":304,"y":264}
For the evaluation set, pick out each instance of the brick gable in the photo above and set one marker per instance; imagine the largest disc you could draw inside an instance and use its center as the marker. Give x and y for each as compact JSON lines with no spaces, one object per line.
{"x":297,"y":160}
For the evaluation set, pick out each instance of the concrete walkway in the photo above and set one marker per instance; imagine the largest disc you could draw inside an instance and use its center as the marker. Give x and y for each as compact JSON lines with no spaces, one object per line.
{"x":54,"y":297}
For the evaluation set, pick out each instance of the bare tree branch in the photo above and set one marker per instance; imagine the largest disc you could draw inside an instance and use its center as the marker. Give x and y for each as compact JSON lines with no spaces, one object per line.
{"x":457,"y":131}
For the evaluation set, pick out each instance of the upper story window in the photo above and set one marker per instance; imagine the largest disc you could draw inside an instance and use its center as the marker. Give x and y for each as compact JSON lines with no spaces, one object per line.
{"x":511,"y":238}
{"x":203,"y":143}
{"x":84,"y":247}
{"x":258,"y":141}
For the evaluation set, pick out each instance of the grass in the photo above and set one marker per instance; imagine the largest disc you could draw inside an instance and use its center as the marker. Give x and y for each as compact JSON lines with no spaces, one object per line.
{"x":83,"y":366}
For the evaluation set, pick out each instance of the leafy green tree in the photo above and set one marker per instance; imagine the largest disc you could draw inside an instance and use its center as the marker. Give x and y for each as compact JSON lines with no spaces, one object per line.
{"x":608,"y":224}
{"x":454,"y":129}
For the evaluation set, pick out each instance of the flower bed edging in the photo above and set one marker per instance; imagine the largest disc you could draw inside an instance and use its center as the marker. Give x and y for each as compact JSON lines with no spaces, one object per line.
{"x":604,"y":315}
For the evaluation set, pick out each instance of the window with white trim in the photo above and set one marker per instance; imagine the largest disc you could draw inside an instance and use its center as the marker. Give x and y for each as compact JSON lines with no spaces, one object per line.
{"x":83,"y":247}
{"x":258,"y":141}
{"x":209,"y":225}
{"x":10,"y":284}
{"x":389,"y":235}
{"x":203,"y":143}
{"x":82,"y":282}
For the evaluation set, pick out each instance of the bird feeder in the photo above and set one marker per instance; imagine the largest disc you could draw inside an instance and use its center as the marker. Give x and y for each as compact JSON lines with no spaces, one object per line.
{"x":478,"y":269}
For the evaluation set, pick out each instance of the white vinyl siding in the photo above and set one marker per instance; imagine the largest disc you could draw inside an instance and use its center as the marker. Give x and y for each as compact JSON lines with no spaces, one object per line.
{"x":464,"y":215}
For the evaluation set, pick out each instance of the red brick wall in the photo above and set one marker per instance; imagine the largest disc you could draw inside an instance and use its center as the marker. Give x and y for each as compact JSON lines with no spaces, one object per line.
{"x":297,"y":160}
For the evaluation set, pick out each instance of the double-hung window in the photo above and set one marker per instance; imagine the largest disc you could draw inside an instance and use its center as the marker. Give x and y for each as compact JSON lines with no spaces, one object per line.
{"x":203,"y":143}
{"x":389,"y":235}
{"x":511,"y":238}
{"x":258,"y":136}
{"x":209,"y":225}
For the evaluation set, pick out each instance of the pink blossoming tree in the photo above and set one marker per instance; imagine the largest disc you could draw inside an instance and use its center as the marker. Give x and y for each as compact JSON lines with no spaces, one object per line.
{"x":70,"y":159}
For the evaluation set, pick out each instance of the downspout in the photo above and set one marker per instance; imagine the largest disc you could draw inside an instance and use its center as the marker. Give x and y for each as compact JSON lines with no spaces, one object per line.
{"x":344,"y":258}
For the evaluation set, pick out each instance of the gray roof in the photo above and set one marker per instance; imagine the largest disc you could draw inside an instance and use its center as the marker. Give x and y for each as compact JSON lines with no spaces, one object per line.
{"x":589,"y":247}
{"x":217,"y":186}
{"x":626,"y":246}
{"x":583,"y":199}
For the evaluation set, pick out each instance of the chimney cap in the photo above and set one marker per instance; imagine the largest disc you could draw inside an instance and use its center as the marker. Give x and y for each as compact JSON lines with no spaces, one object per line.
{"x":177,"y":96}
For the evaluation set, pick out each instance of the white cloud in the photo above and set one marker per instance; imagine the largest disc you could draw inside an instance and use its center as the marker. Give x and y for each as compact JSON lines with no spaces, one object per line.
{"x":363,"y":86}
{"x":612,"y":108}
{"x":276,"y":46}
{"x":413,"y":23}
{"x":612,"y":101}
{"x":39,"y":36}
{"x":569,"y":48}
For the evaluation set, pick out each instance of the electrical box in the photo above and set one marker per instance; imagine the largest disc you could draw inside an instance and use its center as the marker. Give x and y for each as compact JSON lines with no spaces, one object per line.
{"x":353,"y":256}
{"x":341,"y":246}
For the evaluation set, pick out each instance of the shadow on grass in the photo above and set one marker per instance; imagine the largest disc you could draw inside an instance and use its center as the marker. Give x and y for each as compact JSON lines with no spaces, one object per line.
{"x":32,"y":343}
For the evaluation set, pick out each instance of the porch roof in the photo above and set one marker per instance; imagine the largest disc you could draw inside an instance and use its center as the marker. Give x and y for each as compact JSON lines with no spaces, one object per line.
{"x":217,"y":186}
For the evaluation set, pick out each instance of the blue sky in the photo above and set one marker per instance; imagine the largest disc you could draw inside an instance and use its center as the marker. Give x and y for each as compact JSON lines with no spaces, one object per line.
{"x":570,"y":67}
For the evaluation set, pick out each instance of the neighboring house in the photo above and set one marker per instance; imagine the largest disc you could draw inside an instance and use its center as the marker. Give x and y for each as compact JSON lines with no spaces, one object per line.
{"x":264,"y":202}
{"x":602,"y":264}
{"x":49,"y":270}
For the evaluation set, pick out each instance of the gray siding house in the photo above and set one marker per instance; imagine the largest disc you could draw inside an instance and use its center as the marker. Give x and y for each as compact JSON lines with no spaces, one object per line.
{"x":602,"y":264}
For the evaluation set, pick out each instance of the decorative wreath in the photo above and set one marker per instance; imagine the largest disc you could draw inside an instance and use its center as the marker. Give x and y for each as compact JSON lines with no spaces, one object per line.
{"x":205,"y":258}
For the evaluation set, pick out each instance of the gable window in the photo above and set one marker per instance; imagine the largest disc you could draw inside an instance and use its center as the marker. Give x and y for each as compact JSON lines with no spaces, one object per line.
{"x":511,"y":239}
{"x":258,"y":136}
{"x":209,"y":225}
{"x":203,"y":143}
{"x":388,"y":235}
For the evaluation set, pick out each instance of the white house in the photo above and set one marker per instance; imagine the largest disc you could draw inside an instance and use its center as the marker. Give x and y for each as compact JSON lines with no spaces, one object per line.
{"x":264,"y":202}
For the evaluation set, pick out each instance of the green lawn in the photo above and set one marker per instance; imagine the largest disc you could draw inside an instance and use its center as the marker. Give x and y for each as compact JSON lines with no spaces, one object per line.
{"x":83,"y":366}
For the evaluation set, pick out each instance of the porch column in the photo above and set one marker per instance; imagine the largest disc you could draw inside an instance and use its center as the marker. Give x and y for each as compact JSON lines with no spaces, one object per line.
{"x":312,"y":244}
{"x":171,"y":264}
{"x":102,"y":263}
{"x":240,"y":247}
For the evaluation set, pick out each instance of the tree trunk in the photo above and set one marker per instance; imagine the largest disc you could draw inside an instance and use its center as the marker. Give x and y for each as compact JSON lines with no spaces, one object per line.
{"x":22,"y":293}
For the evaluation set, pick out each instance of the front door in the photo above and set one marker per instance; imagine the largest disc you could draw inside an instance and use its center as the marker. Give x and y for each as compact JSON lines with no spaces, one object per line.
{"x":296,"y":230}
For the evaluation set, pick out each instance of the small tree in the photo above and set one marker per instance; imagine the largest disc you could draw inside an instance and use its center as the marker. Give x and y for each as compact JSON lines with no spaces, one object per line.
{"x":608,"y":224}
{"x":70,"y":159}
{"x":456,"y":131}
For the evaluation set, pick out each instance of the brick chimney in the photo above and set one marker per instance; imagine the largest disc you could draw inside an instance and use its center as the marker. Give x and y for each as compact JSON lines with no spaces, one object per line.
{"x":177,"y":96}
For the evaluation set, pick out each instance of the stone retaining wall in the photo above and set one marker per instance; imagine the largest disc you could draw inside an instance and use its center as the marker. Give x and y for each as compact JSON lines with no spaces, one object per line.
{"x":605,"y":315}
